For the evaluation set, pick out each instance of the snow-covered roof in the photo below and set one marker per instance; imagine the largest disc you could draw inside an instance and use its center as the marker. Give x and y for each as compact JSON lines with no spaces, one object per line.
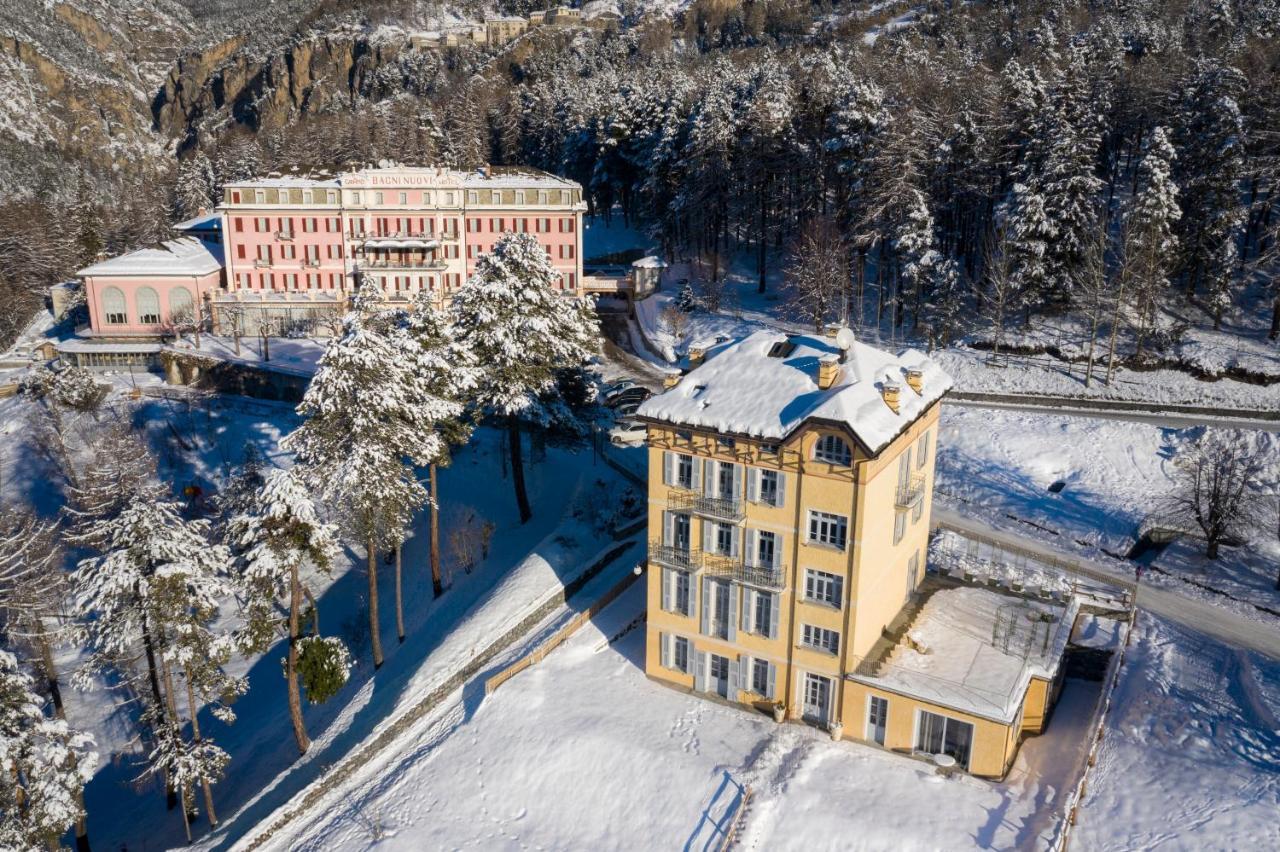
{"x":186,"y":256}
{"x":203,"y":222}
{"x":77,"y":345}
{"x":746,"y":390}
{"x":962,"y":666}
{"x":286,"y":182}
{"x":650,"y":262}
{"x":515,"y":176}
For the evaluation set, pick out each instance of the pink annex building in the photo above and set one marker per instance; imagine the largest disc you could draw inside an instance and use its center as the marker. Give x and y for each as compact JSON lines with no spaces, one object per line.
{"x":293,"y":248}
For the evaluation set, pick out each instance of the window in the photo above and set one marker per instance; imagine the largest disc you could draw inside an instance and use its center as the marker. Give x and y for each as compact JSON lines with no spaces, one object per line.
{"x":716,"y":617}
{"x":718,"y":672}
{"x":762,"y":680}
{"x":676,"y":533}
{"x":180,"y":304}
{"x":922,"y":450}
{"x":676,"y":595}
{"x":724,"y":539}
{"x":824,"y":588}
{"x":148,"y":305}
{"x":355,"y":198}
{"x":377,"y":198}
{"x":762,"y":614}
{"x":937,"y":734}
{"x":766,"y":487}
{"x":899,"y":526}
{"x":828,"y":529}
{"x":877,"y":719}
{"x":675,"y":652}
{"x":913,"y":573}
{"x":821,"y":639}
{"x":725,"y":441}
{"x":833,"y":450}
{"x":404,"y":198}
{"x":113,"y":306}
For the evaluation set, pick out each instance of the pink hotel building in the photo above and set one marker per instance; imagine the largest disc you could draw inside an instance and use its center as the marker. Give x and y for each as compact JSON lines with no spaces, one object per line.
{"x":293,"y":248}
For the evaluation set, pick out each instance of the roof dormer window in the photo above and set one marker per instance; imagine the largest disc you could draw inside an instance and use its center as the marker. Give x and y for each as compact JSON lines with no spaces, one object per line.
{"x":833,"y":450}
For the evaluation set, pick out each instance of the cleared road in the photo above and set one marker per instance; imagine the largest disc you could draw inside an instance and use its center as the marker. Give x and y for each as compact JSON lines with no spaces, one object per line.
{"x":1174,"y":419}
{"x":1215,"y":621}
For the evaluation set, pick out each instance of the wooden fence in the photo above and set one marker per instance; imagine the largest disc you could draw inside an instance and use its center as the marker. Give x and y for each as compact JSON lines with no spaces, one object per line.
{"x":559,"y":637}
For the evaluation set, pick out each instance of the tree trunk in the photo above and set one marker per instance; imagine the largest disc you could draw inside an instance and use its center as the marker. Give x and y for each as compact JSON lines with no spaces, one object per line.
{"x":59,"y":711}
{"x":374,"y":640}
{"x":1212,"y":551}
{"x":315,"y":611}
{"x":177,"y":734}
{"x":194,"y":711}
{"x":399,"y":599}
{"x":170,"y":795}
{"x":291,"y":663}
{"x":437,"y":587}
{"x":1275,"y":319}
{"x":517,"y":470}
{"x":1093,"y":337}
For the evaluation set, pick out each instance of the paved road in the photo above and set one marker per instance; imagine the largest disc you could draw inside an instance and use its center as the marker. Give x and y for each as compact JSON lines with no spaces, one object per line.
{"x":1216,"y":621}
{"x":1178,"y":420}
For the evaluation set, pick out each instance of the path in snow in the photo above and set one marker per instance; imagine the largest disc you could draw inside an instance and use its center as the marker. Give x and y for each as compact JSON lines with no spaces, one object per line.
{"x":1220,"y":623}
{"x":1177,"y":420}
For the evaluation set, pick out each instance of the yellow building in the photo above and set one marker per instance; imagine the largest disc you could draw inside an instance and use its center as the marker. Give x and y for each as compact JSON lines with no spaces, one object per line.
{"x":790,"y":486}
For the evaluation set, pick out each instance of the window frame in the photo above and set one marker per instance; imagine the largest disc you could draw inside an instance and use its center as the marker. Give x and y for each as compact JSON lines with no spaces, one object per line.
{"x":815,"y":636}
{"x":833,"y":584}
{"x":832,"y":449}
{"x":826,"y":525}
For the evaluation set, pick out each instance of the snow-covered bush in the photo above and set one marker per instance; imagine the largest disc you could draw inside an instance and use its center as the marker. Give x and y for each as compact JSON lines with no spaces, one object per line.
{"x":74,"y":387}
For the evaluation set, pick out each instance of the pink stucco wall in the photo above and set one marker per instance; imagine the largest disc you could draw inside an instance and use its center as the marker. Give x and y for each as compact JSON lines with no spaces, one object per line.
{"x":164,"y":285}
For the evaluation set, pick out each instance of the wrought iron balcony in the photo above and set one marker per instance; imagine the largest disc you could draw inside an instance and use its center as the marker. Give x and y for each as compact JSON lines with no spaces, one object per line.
{"x":672,"y":556}
{"x":720,"y":508}
{"x":910,"y":496}
{"x":284,"y":235}
{"x":736,"y":569}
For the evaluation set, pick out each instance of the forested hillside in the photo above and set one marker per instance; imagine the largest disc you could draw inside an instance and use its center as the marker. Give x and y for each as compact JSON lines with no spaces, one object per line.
{"x":992,"y":160}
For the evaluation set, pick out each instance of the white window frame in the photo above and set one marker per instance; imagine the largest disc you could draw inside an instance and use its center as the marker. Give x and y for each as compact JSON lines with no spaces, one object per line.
{"x":869,"y":734}
{"x":833,"y":449}
{"x":818,"y":634}
{"x":825,"y":520}
{"x":813,"y":578}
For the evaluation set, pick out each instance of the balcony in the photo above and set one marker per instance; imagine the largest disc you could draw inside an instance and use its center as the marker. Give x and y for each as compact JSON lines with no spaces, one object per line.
{"x":311,"y":262}
{"x":671,"y":556}
{"x":719,"y":508}
{"x":284,"y":235}
{"x":261,"y":263}
{"x":736,"y":569}
{"x":403,"y":264}
{"x":911,"y":495}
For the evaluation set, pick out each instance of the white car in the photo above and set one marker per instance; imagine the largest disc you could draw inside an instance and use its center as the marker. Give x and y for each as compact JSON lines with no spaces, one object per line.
{"x":627,"y":433}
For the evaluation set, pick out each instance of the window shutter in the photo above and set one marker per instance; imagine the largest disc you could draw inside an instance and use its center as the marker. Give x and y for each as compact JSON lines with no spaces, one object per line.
{"x":731,"y":618}
{"x":668,"y":467}
{"x":709,"y":478}
{"x":753,"y":484}
{"x":781,"y":499}
{"x":697,"y":473}
{"x":735,"y":542}
{"x":664,"y":642}
{"x":706,"y":606}
{"x":737,"y":481}
{"x":744,"y":663}
{"x":700,"y":671}
{"x":775,"y":605}
{"x":668,"y":581}
{"x":668,"y":528}
{"x":752,"y":548}
{"x":708,"y":536}
{"x":778,"y":540}
{"x":734,"y":680}
{"x":773,"y":682}
{"x":748,"y":609}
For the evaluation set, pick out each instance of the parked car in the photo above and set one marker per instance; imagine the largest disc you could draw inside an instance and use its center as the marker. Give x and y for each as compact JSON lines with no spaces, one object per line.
{"x":626,"y":411}
{"x":610,"y":391}
{"x":635,"y":395}
{"x":627,"y":433}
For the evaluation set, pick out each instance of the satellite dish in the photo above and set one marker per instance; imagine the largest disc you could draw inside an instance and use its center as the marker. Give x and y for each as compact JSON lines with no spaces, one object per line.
{"x":845,"y":338}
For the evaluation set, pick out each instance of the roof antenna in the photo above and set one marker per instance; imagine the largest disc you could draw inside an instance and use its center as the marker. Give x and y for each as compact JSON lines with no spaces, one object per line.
{"x":845,"y":340}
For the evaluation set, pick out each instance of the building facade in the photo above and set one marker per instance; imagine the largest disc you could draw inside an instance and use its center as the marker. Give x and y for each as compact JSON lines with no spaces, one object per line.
{"x":284,"y":255}
{"x":790,"y":491}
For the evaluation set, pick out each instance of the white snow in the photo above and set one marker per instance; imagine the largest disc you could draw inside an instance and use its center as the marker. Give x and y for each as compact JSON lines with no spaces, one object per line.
{"x":186,"y":256}
{"x":742,"y":389}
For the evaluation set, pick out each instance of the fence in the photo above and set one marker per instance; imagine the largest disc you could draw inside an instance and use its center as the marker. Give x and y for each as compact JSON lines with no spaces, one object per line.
{"x":558,"y":638}
{"x":1072,"y":807}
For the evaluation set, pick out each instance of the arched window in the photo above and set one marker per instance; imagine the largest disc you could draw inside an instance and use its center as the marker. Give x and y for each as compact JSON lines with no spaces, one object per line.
{"x":113,"y":307}
{"x":180,"y":304}
{"x":148,"y":305}
{"x":833,"y":450}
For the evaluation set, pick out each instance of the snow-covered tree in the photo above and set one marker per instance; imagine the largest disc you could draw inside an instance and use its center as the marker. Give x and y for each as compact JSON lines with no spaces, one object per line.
{"x":363,"y":420}
{"x":522,"y":334}
{"x":1028,"y":235}
{"x":194,"y":185}
{"x":44,"y":765}
{"x":1220,"y":472}
{"x":275,"y":532}
{"x":914,"y":245}
{"x":1150,"y":241}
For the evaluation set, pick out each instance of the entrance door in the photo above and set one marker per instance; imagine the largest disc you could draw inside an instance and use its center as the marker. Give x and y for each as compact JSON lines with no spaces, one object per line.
{"x":817,"y":697}
{"x":877,"y":719}
{"x":718,"y":675}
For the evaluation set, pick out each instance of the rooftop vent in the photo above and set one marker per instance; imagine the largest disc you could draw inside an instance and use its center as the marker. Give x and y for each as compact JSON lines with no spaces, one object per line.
{"x":891,"y":391}
{"x":670,"y":380}
{"x":828,"y":371}
{"x":915,"y":378}
{"x":697,"y":355}
{"x":782,"y":348}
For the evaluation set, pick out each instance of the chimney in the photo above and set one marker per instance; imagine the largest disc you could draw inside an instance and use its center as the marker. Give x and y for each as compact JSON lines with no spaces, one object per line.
{"x":828,"y":372}
{"x":915,"y":378}
{"x":890,"y":391}
{"x":696,"y":356}
{"x":670,"y":380}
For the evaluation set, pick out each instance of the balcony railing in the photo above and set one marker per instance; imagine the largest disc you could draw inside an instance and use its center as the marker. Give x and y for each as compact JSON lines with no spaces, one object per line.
{"x":260,"y":263}
{"x":403,"y":264}
{"x":672,"y":556}
{"x":311,"y":262}
{"x":720,"y":508}
{"x":284,"y":235}
{"x":734,"y":568}
{"x":909,"y":496}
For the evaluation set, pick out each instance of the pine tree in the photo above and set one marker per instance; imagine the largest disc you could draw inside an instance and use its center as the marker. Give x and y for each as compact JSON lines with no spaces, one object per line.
{"x":44,"y":765}
{"x":194,"y":185}
{"x":522,"y":334}
{"x":1028,"y":235}
{"x":275,"y":532}
{"x":362,"y":422}
{"x":1150,"y":240}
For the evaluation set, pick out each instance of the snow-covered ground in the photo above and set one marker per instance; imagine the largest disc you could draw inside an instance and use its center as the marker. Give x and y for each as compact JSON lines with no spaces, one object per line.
{"x":584,"y":752}
{"x":1190,"y":757}
{"x":1115,"y":475}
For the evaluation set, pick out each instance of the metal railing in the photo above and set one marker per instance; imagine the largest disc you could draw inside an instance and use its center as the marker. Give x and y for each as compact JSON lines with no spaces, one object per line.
{"x":403,"y":264}
{"x":260,"y":263}
{"x":720,"y":508}
{"x":684,"y":558}
{"x":739,"y":570}
{"x":912,"y":494}
{"x":284,"y":235}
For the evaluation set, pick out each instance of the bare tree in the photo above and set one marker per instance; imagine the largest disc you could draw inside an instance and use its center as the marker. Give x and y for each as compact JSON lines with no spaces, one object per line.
{"x":818,"y":276}
{"x":1001,"y":291}
{"x":1219,"y":471}
{"x":676,"y":322}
